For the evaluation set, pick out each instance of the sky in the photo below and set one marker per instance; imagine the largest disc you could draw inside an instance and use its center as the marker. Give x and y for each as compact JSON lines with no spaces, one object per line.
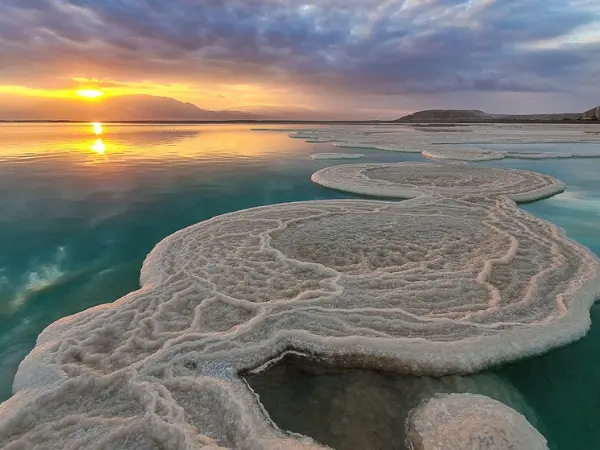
{"x":378,"y":58}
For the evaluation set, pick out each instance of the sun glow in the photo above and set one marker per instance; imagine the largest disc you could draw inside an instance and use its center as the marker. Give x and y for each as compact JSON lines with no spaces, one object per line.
{"x":97,"y":128}
{"x":90,"y":93}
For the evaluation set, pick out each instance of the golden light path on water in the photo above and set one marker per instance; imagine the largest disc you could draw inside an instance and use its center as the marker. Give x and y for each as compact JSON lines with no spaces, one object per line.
{"x":99,"y":147}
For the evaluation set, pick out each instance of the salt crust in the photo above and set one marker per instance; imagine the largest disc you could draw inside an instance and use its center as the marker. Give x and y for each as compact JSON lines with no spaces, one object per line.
{"x":449,"y":144}
{"x":409,"y":180}
{"x":468,"y":421}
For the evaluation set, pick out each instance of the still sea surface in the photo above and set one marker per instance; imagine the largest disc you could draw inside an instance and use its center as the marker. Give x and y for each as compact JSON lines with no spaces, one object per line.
{"x":80,"y":207}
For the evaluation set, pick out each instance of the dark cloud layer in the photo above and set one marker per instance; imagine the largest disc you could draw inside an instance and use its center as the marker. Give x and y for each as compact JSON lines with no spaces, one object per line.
{"x":361,"y":46}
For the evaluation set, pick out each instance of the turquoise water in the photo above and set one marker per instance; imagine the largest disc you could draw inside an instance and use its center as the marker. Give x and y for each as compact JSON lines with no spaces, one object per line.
{"x":80,"y":211}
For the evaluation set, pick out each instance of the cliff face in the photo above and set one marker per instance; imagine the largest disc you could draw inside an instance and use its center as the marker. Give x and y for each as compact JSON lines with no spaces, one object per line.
{"x":592,"y":114}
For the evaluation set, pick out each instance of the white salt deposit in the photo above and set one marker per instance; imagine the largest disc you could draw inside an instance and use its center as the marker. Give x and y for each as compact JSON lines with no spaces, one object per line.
{"x":465,"y":154}
{"x":336,"y":155}
{"x":409,"y":180}
{"x":449,"y":143}
{"x":467,"y":421}
{"x":430,"y":285}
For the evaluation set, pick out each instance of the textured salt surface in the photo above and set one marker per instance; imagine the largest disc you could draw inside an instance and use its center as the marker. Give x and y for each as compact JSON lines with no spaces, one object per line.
{"x":467,"y":421}
{"x":489,"y":155}
{"x":423,"y":286}
{"x":409,"y":180}
{"x":337,"y":156}
{"x":449,"y":143}
{"x":349,"y":409}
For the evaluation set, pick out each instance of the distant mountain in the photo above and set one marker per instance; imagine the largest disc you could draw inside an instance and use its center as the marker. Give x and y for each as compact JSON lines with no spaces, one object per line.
{"x":557,"y":116}
{"x":592,"y":114}
{"x":466,"y":115}
{"x":119,"y":108}
{"x":450,"y":115}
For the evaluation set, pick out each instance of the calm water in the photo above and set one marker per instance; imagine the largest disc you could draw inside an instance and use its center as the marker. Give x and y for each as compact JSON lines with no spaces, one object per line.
{"x":80,"y":211}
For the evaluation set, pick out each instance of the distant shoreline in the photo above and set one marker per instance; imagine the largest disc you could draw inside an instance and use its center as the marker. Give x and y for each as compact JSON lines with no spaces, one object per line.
{"x":322,"y":122}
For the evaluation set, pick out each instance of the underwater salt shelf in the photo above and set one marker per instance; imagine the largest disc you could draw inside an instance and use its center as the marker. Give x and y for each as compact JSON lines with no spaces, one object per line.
{"x":349,"y":409}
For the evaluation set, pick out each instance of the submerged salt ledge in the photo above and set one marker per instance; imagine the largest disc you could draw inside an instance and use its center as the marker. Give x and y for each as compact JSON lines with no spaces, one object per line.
{"x":467,"y":421}
{"x":423,"y":286}
{"x":351,"y":409}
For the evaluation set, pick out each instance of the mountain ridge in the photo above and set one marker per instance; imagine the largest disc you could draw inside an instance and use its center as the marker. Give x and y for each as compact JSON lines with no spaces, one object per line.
{"x":138,"y":107}
{"x":466,"y":115}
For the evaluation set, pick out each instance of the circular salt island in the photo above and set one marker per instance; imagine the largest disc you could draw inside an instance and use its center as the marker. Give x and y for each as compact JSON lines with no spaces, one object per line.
{"x":409,"y":180}
{"x":468,"y":421}
{"x":432,"y":286}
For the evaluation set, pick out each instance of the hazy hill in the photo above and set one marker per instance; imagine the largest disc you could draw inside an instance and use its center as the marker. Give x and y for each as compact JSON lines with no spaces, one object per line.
{"x":450,"y":115}
{"x":466,"y":115}
{"x":120,"y":108}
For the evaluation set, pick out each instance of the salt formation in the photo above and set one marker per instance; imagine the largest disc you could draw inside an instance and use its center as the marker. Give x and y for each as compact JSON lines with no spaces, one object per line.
{"x":466,"y":421}
{"x":427,"y":286}
{"x":336,"y":155}
{"x":452,"y":281}
{"x":408,"y":180}
{"x":465,"y":154}
{"x":449,"y":143}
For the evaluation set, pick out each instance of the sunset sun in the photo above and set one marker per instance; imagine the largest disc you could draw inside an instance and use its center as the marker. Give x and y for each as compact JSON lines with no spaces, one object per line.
{"x":90,"y":93}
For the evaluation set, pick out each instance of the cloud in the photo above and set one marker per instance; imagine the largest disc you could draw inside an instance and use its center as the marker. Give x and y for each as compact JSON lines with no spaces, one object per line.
{"x":358,"y":47}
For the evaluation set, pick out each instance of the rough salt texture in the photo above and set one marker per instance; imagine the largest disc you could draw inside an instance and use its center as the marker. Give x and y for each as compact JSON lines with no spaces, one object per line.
{"x":467,"y":421}
{"x":449,"y":143}
{"x":462,"y":154}
{"x":428,"y":285}
{"x":409,"y":180}
{"x":336,"y":156}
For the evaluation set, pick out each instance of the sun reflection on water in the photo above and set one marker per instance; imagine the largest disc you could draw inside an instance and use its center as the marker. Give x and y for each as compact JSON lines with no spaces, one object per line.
{"x":97,"y":127}
{"x":99,"y":147}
